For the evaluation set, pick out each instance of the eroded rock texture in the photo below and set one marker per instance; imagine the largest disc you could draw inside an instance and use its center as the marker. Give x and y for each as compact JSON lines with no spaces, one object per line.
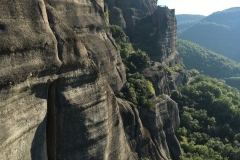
{"x":87,"y":19}
{"x":163,"y":21}
{"x":59,"y":69}
{"x":167,"y":36}
{"x":54,"y":102}
{"x":162,"y":120}
{"x":116,"y":18}
{"x":159,"y":79}
{"x":147,"y":6}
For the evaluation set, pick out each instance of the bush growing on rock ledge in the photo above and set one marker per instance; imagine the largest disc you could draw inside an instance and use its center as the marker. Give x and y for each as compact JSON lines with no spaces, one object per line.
{"x":138,"y":90}
{"x":118,"y":34}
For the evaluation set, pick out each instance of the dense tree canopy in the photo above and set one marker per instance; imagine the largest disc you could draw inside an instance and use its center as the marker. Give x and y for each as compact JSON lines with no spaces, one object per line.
{"x":210,"y":118}
{"x":209,"y":63}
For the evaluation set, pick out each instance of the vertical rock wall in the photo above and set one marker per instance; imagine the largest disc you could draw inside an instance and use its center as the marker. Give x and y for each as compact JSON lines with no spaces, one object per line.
{"x":167,"y":36}
{"x":54,"y":103}
{"x":57,"y":59}
{"x":147,"y":6}
{"x":87,"y":19}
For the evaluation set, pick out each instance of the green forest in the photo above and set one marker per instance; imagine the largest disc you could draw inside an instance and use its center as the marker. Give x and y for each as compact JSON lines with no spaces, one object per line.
{"x":210,"y":118}
{"x":206,"y":61}
{"x":209,"y":63}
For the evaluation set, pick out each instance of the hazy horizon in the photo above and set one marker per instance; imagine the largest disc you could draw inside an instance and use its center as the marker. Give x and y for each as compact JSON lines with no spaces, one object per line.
{"x":199,"y":7}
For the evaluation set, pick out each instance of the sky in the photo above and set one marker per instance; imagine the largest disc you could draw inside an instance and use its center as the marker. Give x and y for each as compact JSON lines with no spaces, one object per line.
{"x":202,"y":7}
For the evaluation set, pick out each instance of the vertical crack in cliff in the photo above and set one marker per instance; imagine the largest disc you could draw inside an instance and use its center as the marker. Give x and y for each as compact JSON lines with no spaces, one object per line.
{"x":51,"y":123}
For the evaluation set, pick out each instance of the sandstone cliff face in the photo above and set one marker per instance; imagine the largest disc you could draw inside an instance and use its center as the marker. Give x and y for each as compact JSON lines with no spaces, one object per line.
{"x":147,"y":6}
{"x":57,"y":62}
{"x":87,"y":19}
{"x":157,"y":140}
{"x":162,"y":120}
{"x":163,"y":19}
{"x":116,"y":18}
{"x":167,"y":36}
{"x":54,"y":102}
{"x":158,"y":78}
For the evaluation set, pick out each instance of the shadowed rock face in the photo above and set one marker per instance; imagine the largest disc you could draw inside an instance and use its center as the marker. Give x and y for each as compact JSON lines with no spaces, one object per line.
{"x":116,"y":18}
{"x":55,"y":98}
{"x":147,"y":6}
{"x":167,"y":36}
{"x":163,"y":19}
{"x":159,"y":79}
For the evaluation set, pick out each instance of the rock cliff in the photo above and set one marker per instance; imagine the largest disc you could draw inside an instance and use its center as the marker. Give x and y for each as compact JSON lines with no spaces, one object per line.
{"x":60,"y":68}
{"x":87,"y":19}
{"x":156,"y":25}
{"x":166,"y":51}
{"x":147,"y":6}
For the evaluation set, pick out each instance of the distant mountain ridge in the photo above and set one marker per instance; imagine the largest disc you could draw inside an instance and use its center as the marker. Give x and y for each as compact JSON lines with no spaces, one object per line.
{"x":219,"y":32}
{"x":209,"y":63}
{"x":185,"y":21}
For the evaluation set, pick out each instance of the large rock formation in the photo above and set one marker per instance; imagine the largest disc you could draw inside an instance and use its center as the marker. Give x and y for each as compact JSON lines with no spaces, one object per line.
{"x":54,"y":102}
{"x":137,"y":13}
{"x":116,"y":18}
{"x":147,"y":6}
{"x":87,"y":19}
{"x":59,"y":70}
{"x":159,"y":79}
{"x":162,"y":120}
{"x":167,"y":36}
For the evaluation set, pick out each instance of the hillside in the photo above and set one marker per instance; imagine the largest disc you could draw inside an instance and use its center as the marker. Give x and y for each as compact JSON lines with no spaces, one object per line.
{"x":219,"y":32}
{"x":209,"y":63}
{"x":185,"y":21}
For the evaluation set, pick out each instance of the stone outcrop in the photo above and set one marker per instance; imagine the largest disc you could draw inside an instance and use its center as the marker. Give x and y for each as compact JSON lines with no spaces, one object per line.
{"x":59,"y":70}
{"x":162,"y":120}
{"x":157,"y":141}
{"x":116,"y":18}
{"x":147,"y":6}
{"x":87,"y":19}
{"x":178,"y":79}
{"x":132,"y":16}
{"x":159,"y":79}
{"x":162,"y":19}
{"x":167,"y":36}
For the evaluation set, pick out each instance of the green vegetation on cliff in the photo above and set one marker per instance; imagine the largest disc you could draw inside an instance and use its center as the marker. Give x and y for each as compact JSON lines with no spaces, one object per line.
{"x":210,"y":116}
{"x":137,"y":89}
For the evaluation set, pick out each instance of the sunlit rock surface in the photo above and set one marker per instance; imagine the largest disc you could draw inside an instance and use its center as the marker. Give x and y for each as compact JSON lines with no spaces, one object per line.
{"x":59,"y":70}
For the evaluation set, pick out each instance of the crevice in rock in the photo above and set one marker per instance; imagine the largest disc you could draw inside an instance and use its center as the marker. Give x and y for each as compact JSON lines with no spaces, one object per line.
{"x":113,"y":43}
{"x":51,"y":123}
{"x":2,"y":27}
{"x":119,"y":73}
